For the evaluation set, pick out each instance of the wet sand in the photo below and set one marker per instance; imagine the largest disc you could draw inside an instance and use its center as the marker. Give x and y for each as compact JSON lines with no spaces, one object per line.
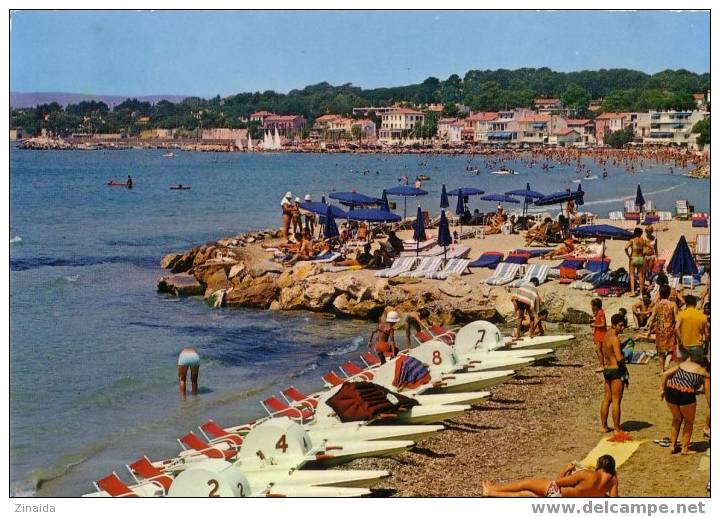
{"x":545,"y":418}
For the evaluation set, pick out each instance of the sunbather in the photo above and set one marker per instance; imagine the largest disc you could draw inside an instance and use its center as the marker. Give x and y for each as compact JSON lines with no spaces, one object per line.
{"x":564,"y":249}
{"x":305,"y":252}
{"x":601,"y":482}
{"x":362,"y":258}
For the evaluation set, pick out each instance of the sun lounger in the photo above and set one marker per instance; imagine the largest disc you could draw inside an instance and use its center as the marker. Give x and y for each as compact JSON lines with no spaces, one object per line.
{"x":504,"y":274}
{"x":489,"y":259}
{"x":276,"y":407}
{"x":702,"y":248}
{"x":456,"y":252}
{"x":294,"y":395}
{"x":631,"y":207}
{"x":143,"y":470}
{"x":350,"y":370}
{"x":517,"y":258}
{"x":332,"y":379}
{"x":401,"y":265}
{"x":213,"y":432}
{"x":533,"y":252}
{"x":427,"y":265}
{"x":457,"y":266}
{"x":326,"y":257}
{"x":569,"y":263}
{"x":665,"y":216}
{"x":616,"y":215}
{"x":539,"y":271}
{"x":681,"y":209}
{"x":411,"y":245}
{"x":470,"y":232}
{"x":114,"y":486}
{"x":370,"y":359}
{"x":192,"y":442}
{"x":595,"y":265}
{"x":433,"y":251}
{"x":700,"y":220}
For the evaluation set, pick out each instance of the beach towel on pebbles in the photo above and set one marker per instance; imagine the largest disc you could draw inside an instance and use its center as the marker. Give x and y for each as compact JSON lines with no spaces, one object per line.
{"x":410,"y":373}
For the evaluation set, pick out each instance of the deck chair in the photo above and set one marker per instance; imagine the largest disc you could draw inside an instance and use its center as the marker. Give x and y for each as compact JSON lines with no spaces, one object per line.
{"x":453,"y":266}
{"x":401,"y":265}
{"x":294,"y":396}
{"x":114,"y":486}
{"x":595,"y":265}
{"x":276,"y":407}
{"x":681,"y":209}
{"x":631,"y":207}
{"x":433,"y":251}
{"x":427,"y":265}
{"x":370,"y":359}
{"x":504,"y":274}
{"x":456,"y":252}
{"x":213,"y":432}
{"x":489,"y":259}
{"x":350,"y":369}
{"x":616,"y":215}
{"x":192,"y":442}
{"x":143,"y":470}
{"x":702,"y":248}
{"x":332,"y":379}
{"x":665,"y":216}
{"x":539,"y":271}
{"x":411,"y":245}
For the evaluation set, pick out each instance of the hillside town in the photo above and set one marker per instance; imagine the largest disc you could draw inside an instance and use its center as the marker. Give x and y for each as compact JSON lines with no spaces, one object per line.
{"x":405,"y":125}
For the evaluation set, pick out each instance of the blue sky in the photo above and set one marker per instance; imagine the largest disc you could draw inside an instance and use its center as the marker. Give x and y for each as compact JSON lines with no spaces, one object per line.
{"x":225,"y":52}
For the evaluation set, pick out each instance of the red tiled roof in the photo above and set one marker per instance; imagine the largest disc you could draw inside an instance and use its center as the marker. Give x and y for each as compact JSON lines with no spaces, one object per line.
{"x":262,"y":114}
{"x":282,"y":118}
{"x":577,"y":121}
{"x":447,"y":120}
{"x":405,"y":111}
{"x":482,"y":116}
{"x":326,"y":118}
{"x":564,"y":131}
{"x":610,"y":115}
{"x":536,"y":118}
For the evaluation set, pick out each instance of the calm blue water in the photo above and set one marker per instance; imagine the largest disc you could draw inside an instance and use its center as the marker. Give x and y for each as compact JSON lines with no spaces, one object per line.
{"x":93,"y":346}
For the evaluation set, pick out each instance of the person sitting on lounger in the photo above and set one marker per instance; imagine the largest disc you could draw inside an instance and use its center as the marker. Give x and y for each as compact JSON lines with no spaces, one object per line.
{"x":601,"y":482}
{"x":362,"y":258}
{"x":384,"y":337}
{"x":305,"y":252}
{"x":564,"y":249}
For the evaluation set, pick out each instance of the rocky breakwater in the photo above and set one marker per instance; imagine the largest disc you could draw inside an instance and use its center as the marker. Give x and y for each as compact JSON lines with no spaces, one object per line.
{"x":700,"y":172}
{"x":235,"y":272}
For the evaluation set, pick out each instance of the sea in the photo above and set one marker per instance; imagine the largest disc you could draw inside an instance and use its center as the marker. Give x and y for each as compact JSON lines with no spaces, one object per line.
{"x":93,"y":345}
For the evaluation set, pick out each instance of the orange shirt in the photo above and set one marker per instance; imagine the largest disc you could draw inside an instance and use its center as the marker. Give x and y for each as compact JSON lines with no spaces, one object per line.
{"x":599,"y":332}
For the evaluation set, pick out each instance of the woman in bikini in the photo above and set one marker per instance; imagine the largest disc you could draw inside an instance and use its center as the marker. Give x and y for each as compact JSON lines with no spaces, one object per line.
{"x":650,"y":251}
{"x":635,"y":250}
{"x":679,"y":386}
{"x":601,"y":482}
{"x":384,"y":336}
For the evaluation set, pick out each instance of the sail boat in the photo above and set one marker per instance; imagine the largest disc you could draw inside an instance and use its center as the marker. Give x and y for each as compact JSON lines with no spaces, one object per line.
{"x":267,"y":141}
{"x":250,"y":144}
{"x":277,"y":144}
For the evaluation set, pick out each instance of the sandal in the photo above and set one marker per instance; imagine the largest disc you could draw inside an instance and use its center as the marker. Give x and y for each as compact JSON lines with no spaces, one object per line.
{"x":665,"y":442}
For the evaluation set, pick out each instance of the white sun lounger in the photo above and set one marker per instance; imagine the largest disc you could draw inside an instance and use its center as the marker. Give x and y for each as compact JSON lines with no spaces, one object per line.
{"x":426,"y":266}
{"x":401,"y":265}
{"x":616,"y":216}
{"x":411,"y":245}
{"x":665,"y":216}
{"x":539,"y":271}
{"x":504,"y":274}
{"x":702,"y":244}
{"x":327,"y":257}
{"x":434,"y":251}
{"x":455,"y":265}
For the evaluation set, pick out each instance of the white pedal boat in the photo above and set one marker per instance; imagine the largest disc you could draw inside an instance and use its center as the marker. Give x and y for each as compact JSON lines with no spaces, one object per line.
{"x":483,"y":336}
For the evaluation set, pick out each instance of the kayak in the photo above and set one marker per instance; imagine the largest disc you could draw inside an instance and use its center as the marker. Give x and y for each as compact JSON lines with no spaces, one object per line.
{"x":117,"y":184}
{"x":179,"y":187}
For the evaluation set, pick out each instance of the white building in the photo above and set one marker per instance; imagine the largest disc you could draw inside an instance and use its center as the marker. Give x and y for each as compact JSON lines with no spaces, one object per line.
{"x":673,"y":127}
{"x":399,"y":124}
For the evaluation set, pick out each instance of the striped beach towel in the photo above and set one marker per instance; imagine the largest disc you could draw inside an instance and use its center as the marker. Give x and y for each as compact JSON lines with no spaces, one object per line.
{"x":426,"y":266}
{"x":539,"y":271}
{"x":410,"y":373}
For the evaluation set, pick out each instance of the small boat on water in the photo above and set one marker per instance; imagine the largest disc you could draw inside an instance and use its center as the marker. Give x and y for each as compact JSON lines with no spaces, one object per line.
{"x":118,"y":184}
{"x":169,"y":155}
{"x":423,"y":177}
{"x":504,"y":172}
{"x":180,"y":187}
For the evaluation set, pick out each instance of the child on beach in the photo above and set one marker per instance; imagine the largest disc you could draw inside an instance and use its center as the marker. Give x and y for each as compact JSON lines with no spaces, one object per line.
{"x":599,"y":326}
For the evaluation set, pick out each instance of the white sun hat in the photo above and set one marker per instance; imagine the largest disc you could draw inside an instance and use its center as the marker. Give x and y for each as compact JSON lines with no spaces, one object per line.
{"x":392,"y":317}
{"x":308,"y":197}
{"x":288,"y":194}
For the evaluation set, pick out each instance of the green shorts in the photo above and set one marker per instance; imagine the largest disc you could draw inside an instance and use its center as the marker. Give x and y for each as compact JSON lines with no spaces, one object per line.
{"x":637,"y":261}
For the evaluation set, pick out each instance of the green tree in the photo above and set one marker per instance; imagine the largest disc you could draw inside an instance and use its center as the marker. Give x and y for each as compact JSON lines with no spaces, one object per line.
{"x":618,"y":139}
{"x":356,"y":133}
{"x":703,"y":129}
{"x":576,"y":97}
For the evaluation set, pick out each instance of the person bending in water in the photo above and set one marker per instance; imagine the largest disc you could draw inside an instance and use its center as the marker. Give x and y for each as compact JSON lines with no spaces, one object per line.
{"x":188,"y":360}
{"x":601,"y":482}
{"x":384,"y":336}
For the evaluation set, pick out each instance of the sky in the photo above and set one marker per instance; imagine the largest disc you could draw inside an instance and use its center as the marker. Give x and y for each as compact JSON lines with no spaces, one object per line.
{"x":206,"y":53}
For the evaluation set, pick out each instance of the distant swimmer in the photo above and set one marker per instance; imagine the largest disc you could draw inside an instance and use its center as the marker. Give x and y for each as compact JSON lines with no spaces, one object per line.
{"x":129,"y":182}
{"x":188,"y":360}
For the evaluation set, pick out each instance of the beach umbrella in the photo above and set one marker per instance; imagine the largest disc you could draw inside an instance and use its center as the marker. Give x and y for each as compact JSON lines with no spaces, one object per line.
{"x":639,"y":199}
{"x":580,"y":199}
{"x":604,"y":231}
{"x":444,"y":202}
{"x":466,"y":191}
{"x":561,"y":197}
{"x":444,"y":238}
{"x":527,"y":194}
{"x":353,"y":199}
{"x":384,"y":205}
{"x":372,"y":215}
{"x":405,"y":191}
{"x":419,"y":230}
{"x":322,"y":208}
{"x":460,"y":207}
{"x":330,"y":231}
{"x":682,"y":261}
{"x":500,"y":198}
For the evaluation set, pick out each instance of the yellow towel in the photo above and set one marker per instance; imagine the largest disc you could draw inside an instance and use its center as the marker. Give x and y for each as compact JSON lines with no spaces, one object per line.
{"x":620,"y":451}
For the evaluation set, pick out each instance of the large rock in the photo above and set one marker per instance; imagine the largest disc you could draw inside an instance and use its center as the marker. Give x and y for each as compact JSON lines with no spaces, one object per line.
{"x":366,"y":309}
{"x":353,"y":286}
{"x":182,"y":284}
{"x":298,"y":273}
{"x":185,"y":262}
{"x":253,"y":292}
{"x":399,"y":280}
{"x":318,"y":295}
{"x":215,"y":282}
{"x":169,"y":260}
{"x":455,"y":286}
{"x":555,"y":304}
{"x":204,"y":254}
{"x":291,"y":298}
{"x":237,"y":269}
{"x":577,"y":316}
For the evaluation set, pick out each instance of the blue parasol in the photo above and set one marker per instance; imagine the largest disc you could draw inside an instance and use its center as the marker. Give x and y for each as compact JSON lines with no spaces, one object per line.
{"x":354,"y":199}
{"x":419,"y":230}
{"x":444,"y":238}
{"x":384,"y":205}
{"x":372,"y":215}
{"x":466,"y":191}
{"x":560,"y":197}
{"x":444,"y":201}
{"x":604,"y":231}
{"x":405,"y":191}
{"x":682,"y":261}
{"x":501,"y":198}
{"x":639,"y":199}
{"x":460,"y":207}
{"x":322,"y":208}
{"x":330,"y":231}
{"x":527,"y":194}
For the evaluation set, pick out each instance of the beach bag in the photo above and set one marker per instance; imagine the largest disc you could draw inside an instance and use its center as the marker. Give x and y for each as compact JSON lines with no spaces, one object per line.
{"x":410,"y":373}
{"x":361,"y":401}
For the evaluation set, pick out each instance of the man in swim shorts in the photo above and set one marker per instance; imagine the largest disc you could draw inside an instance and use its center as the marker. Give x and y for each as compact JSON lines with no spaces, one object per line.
{"x":188,"y":360}
{"x":614,"y":374}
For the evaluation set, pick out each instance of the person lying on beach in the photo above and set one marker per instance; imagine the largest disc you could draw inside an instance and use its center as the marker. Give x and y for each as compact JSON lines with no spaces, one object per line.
{"x":601,"y":482}
{"x":305,"y":252}
{"x":564,"y":249}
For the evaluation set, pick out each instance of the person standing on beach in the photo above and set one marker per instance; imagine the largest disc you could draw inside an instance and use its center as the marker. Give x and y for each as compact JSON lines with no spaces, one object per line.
{"x":663,"y":321}
{"x":527,"y":302}
{"x":384,"y":337}
{"x":692,"y":327}
{"x":635,"y":250}
{"x":286,"y":206}
{"x":599,"y":326}
{"x":309,"y":217}
{"x":188,"y":360}
{"x":615,"y":374}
